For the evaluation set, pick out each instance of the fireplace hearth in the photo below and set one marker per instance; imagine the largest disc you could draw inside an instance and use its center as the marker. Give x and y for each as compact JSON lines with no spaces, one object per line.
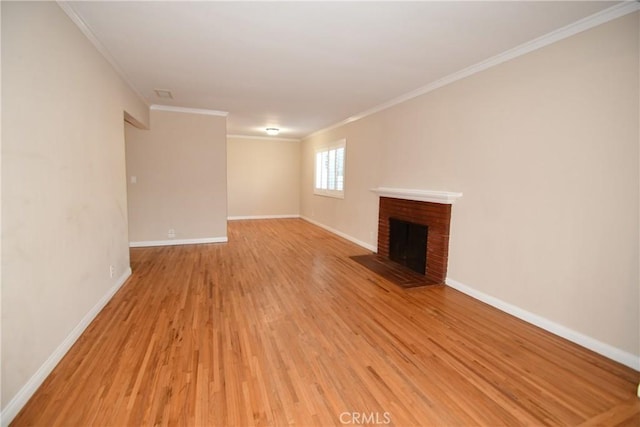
{"x":413,"y":236}
{"x":434,"y":217}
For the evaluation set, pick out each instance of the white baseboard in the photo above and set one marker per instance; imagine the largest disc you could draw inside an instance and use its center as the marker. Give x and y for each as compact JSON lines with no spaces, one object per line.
{"x":241,"y":217}
{"x":365,"y":245}
{"x":593,"y":344}
{"x":25,"y":393}
{"x":174,"y":242}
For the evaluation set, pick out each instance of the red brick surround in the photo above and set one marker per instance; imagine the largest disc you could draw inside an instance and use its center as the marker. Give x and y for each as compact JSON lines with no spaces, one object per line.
{"x":436,"y":216}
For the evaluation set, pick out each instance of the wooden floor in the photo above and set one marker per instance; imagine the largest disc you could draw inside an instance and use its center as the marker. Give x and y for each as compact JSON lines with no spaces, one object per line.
{"x":393,"y":272}
{"x":280,"y":327}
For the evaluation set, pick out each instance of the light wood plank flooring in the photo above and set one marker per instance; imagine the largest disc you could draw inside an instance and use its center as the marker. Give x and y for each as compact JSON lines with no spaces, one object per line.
{"x":280,"y":327}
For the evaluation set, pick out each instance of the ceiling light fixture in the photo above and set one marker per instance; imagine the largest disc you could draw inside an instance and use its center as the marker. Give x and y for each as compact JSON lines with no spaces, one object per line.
{"x":272,"y":131}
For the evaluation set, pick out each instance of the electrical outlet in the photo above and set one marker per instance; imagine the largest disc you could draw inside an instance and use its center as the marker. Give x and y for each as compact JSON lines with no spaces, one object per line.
{"x":171,"y":233}
{"x":371,"y":236}
{"x":112,"y":271}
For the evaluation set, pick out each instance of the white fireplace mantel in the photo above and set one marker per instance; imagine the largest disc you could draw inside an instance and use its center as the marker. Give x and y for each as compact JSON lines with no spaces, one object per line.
{"x":445,"y":197}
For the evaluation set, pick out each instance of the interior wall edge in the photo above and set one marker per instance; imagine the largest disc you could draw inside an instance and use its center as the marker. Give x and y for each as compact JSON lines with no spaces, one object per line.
{"x":352,"y":239}
{"x":243,"y":217}
{"x":604,"y":349}
{"x":572,"y":29}
{"x":178,"y":242}
{"x":31,"y":386}
{"x":88,"y":33}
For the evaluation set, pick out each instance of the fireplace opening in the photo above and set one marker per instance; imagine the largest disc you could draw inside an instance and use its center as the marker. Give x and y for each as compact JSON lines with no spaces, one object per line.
{"x":408,"y":244}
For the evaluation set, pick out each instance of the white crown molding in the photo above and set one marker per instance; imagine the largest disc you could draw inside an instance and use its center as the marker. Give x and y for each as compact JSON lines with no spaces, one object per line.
{"x":613,"y":353}
{"x":176,"y":242}
{"x":584,"y":24}
{"x":243,"y":217}
{"x":265,"y":138}
{"x":444,"y":197}
{"x":158,"y":107}
{"x":84,"y":28}
{"x":24,"y":394}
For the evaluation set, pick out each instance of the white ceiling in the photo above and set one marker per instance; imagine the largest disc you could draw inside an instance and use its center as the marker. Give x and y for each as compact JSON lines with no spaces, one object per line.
{"x":303,"y":66}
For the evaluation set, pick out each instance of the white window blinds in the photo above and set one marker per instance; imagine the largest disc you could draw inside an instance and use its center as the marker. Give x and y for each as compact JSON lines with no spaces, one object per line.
{"x":329,"y":170}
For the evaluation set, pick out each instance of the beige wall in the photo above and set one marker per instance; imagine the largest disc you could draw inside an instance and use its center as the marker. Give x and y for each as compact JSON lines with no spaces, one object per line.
{"x":64,"y":206}
{"x":357,"y":214}
{"x":545,"y":149}
{"x":263,"y":177}
{"x":180,"y":167}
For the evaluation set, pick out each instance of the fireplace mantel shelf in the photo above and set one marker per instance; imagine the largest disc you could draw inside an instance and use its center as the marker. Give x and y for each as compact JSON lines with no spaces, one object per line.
{"x":445,"y":197}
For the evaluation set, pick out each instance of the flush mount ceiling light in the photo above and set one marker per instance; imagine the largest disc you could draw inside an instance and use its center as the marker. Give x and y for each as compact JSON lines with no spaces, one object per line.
{"x":163,"y":93}
{"x":272,"y":131}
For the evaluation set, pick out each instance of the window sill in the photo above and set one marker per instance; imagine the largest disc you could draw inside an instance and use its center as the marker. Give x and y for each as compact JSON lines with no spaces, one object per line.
{"x":335,"y":195}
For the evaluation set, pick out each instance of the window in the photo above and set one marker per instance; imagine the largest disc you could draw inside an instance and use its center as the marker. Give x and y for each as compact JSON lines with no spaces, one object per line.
{"x":330,"y":170}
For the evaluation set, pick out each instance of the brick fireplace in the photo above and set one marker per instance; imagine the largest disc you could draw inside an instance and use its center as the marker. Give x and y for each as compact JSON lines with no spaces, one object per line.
{"x":434,"y":214}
